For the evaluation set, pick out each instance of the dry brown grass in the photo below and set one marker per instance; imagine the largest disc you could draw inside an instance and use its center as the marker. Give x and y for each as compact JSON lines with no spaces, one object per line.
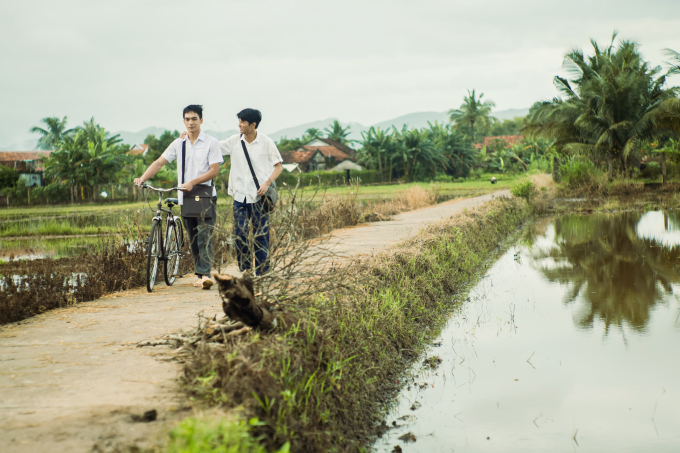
{"x":413,"y":198}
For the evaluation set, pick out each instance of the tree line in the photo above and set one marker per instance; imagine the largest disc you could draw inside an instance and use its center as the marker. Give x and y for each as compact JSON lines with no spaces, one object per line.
{"x":614,"y":112}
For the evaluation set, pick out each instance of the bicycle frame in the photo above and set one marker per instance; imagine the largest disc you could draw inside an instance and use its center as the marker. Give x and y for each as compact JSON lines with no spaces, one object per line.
{"x":170,"y":219}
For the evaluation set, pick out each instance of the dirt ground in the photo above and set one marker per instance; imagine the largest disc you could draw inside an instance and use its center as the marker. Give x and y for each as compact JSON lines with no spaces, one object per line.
{"x":72,"y":380}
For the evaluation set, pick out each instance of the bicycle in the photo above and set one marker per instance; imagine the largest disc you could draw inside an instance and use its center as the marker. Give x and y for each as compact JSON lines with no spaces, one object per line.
{"x":170,"y":251}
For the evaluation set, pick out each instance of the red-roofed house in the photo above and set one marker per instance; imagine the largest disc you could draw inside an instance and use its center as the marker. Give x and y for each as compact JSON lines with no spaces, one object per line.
{"x":139,"y":150}
{"x":319,"y":154}
{"x":29,"y":164}
{"x":508,"y":139}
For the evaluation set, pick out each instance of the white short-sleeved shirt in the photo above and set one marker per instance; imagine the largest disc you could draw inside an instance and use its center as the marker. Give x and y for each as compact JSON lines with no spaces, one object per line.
{"x":199,"y":157}
{"x":263,"y":155}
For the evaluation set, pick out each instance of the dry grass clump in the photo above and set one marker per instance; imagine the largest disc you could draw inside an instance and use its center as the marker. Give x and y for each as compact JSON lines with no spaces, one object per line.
{"x":322,"y":382}
{"x":331,"y":213}
{"x":117,"y":263}
{"x":30,"y":287}
{"x":414,"y":198}
{"x":546,"y":191}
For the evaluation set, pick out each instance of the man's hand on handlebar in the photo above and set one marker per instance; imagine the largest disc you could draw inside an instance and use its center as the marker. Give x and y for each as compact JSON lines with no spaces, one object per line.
{"x":138,"y":181}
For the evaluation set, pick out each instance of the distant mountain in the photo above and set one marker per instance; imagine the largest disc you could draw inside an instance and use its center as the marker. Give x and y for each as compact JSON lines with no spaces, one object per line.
{"x":299,"y":131}
{"x":133,"y":138}
{"x":414,"y":120}
{"x":510,"y":113}
{"x":26,"y":145}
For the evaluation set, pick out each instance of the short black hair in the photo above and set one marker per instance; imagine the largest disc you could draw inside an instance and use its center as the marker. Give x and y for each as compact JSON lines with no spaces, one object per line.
{"x":251,"y":116}
{"x":197,"y":109}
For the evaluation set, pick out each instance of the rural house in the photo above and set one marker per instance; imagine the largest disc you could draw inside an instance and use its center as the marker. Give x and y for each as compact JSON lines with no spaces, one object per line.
{"x":490,"y":141}
{"x":29,"y":165}
{"x":138,"y":150}
{"x":320,"y":154}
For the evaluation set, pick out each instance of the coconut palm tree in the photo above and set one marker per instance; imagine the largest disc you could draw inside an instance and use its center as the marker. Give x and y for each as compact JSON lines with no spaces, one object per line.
{"x":473,"y":112}
{"x":311,"y":134}
{"x":614,"y":102}
{"x":53,"y":133}
{"x":87,"y":158}
{"x":338,"y":133}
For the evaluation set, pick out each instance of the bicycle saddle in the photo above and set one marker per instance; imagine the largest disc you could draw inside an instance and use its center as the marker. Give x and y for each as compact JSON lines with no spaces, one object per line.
{"x":171,"y":201}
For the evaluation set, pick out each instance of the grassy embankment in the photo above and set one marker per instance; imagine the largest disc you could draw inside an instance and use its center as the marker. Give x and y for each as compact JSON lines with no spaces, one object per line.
{"x":323,"y":384}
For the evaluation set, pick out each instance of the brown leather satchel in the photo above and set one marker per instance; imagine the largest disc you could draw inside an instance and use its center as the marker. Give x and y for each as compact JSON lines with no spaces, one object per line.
{"x":198,"y":202}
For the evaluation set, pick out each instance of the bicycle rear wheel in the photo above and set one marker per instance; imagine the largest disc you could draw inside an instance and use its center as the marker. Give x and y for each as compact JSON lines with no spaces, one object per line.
{"x":153,"y":255}
{"x":173,"y":251}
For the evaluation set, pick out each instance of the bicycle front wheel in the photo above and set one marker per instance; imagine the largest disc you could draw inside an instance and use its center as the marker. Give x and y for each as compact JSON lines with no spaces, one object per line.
{"x":153,"y":255}
{"x":173,"y":251}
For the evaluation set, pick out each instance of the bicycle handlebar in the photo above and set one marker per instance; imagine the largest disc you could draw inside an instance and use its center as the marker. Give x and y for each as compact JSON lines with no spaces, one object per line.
{"x":147,"y":186}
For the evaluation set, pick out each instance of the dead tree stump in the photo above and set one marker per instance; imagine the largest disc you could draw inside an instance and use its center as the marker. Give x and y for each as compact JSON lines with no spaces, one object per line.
{"x":240,"y":303}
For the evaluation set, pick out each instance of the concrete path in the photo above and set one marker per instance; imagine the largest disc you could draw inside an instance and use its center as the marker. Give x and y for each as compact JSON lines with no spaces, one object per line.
{"x":72,"y":378}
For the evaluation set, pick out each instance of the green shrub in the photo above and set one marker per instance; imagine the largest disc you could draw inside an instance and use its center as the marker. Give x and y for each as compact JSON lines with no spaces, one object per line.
{"x":652,"y":171}
{"x":477,"y":173}
{"x":443,"y":177}
{"x":195,"y":435}
{"x":524,"y":188}
{"x":578,"y":171}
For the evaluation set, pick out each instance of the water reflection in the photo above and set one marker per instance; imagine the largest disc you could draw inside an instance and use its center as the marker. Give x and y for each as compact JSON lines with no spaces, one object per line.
{"x":618,"y":265}
{"x":519,"y":375}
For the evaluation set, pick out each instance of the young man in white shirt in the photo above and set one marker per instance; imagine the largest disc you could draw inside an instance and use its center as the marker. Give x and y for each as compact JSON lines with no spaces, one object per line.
{"x":266,"y":161}
{"x":203,"y":159}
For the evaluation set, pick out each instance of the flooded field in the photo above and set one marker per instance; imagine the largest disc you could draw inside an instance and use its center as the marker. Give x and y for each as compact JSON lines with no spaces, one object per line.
{"x":570,"y":342}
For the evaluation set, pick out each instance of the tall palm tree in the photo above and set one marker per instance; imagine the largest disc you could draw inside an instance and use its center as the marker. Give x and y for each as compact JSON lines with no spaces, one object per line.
{"x":93,"y":133}
{"x":473,"y":111}
{"x":53,"y":133}
{"x":614,"y":102}
{"x":338,"y":133}
{"x":311,"y":134}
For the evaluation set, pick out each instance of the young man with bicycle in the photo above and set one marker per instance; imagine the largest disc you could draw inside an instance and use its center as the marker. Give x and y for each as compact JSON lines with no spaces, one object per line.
{"x":198,"y":162}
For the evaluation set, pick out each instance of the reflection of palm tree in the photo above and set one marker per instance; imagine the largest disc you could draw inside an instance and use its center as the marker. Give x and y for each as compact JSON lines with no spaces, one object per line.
{"x":618,"y":274}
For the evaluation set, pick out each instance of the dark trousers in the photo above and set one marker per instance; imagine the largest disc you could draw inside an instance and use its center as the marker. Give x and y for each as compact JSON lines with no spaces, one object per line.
{"x":201,"y":241}
{"x":244,"y":215}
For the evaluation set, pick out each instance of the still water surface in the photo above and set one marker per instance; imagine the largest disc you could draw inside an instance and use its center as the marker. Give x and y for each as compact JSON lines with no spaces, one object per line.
{"x":570,"y":342}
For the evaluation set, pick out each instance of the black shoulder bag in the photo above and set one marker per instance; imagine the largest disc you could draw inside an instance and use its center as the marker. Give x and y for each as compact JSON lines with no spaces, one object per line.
{"x":271,"y":198}
{"x":198,"y":202}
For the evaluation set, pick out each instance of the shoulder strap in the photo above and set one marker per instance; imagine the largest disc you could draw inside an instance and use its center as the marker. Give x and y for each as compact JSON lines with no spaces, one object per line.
{"x":184,"y":152}
{"x":252,"y":172}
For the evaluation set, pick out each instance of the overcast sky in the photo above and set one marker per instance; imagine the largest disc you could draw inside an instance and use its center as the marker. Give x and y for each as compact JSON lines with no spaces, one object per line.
{"x":136,"y":63}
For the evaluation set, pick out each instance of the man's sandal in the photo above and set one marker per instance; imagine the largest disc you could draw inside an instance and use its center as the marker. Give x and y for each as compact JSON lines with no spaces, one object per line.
{"x":206,"y":282}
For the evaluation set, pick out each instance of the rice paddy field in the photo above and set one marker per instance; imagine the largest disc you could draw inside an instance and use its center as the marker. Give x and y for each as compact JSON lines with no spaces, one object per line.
{"x":31,"y":232}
